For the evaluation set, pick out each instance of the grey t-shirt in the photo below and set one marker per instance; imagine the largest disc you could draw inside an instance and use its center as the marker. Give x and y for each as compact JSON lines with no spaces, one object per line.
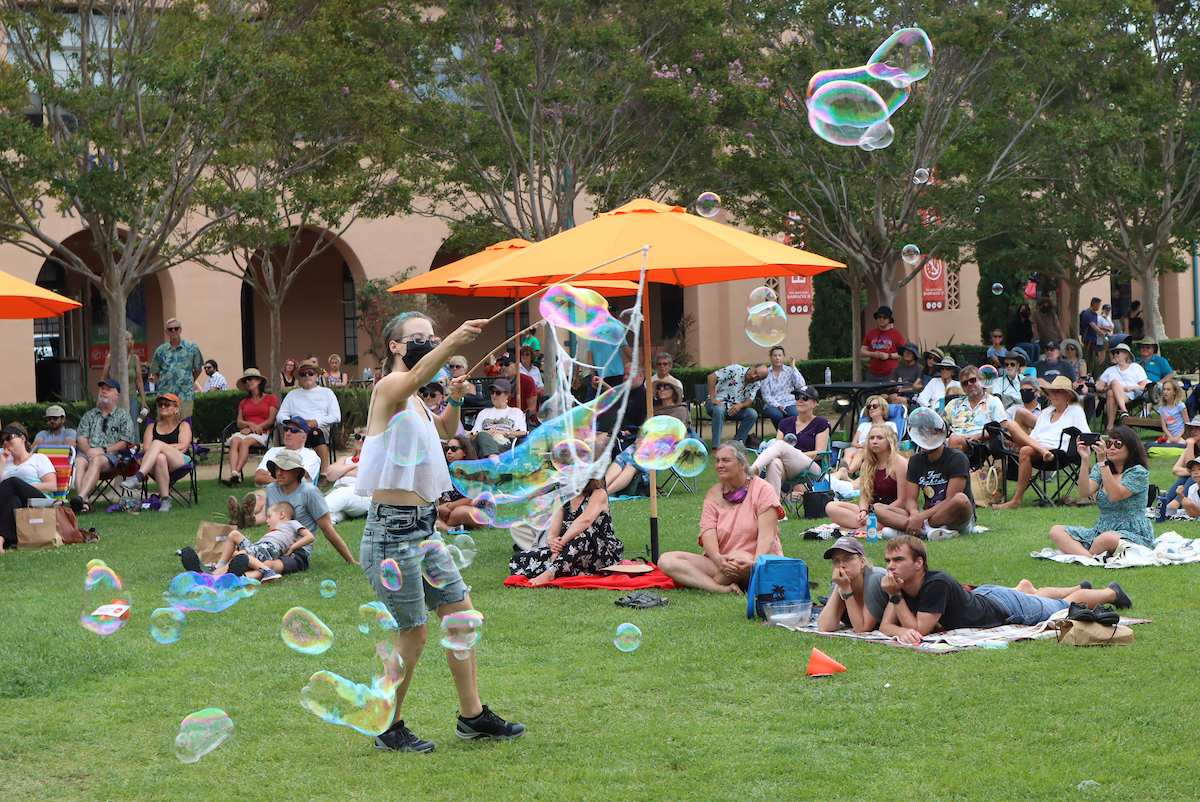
{"x":65,"y":436}
{"x":283,"y":535}
{"x":308,"y":502}
{"x":873,"y":595}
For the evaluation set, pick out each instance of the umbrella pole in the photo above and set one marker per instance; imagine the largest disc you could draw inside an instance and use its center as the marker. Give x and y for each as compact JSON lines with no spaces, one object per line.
{"x":649,"y":412}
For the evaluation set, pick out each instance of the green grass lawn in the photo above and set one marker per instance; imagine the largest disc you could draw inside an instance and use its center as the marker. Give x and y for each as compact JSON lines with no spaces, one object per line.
{"x":710,"y":707}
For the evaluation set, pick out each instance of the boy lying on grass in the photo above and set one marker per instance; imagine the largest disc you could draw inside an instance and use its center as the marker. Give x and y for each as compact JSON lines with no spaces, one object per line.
{"x":240,"y":557}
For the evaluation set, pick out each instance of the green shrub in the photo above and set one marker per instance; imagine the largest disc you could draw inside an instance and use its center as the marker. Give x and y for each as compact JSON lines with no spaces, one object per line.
{"x":1183,"y":354}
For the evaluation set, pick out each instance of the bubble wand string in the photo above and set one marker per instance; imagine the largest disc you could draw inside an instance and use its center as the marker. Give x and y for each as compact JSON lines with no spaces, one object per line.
{"x":541,"y":290}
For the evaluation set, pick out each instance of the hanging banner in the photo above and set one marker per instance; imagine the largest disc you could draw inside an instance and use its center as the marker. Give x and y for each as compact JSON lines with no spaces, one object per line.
{"x":798,"y":295}
{"x":933,"y":285}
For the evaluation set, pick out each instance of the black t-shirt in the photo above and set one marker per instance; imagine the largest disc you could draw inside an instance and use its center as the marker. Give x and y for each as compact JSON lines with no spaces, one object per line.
{"x":1051,"y":371}
{"x":958,"y":607}
{"x":927,"y":473}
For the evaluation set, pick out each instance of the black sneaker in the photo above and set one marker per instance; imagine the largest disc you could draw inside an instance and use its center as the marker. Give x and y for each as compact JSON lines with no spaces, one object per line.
{"x":1106,"y":615}
{"x":239,"y":564}
{"x":1123,"y":601}
{"x":192,"y":562}
{"x":401,"y":739}
{"x":1080,"y":612}
{"x":488,"y":725}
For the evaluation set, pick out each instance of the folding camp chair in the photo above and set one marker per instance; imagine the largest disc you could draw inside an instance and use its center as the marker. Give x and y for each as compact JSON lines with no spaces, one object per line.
{"x":817,"y":480}
{"x":255,"y":448}
{"x":185,"y":471}
{"x":62,"y":457}
{"x":127,"y":465}
{"x":1051,"y":480}
{"x":897,"y":415}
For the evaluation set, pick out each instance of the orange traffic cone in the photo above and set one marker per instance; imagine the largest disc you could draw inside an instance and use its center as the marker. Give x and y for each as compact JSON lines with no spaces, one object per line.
{"x":822,"y":665}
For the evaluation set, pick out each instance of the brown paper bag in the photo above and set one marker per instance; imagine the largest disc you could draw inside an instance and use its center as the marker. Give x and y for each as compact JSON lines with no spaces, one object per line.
{"x":1091,"y":633}
{"x":210,"y":539}
{"x":987,"y":485}
{"x":37,"y":527}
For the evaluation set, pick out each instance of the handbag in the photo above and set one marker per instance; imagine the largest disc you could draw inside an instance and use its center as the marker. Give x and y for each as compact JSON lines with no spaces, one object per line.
{"x":987,"y":484}
{"x":815,"y":501}
{"x":1091,"y":633}
{"x":210,"y":539}
{"x":36,"y":527}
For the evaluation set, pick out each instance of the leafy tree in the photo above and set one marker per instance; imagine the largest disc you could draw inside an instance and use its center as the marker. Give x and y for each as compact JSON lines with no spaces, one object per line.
{"x":139,"y":96}
{"x":964,"y":123}
{"x":828,"y":335}
{"x":376,"y":307}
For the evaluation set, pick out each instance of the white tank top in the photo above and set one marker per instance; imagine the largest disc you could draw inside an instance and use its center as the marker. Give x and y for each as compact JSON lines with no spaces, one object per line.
{"x":429,"y":478}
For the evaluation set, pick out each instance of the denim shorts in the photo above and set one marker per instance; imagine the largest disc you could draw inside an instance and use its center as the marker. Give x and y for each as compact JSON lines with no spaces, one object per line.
{"x":394,"y":532}
{"x":1022,"y":608}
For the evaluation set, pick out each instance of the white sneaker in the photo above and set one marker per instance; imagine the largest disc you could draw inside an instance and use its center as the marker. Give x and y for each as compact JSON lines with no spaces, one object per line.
{"x":887,"y":532}
{"x":941,"y":533}
{"x":164,"y":505}
{"x":132,"y":483}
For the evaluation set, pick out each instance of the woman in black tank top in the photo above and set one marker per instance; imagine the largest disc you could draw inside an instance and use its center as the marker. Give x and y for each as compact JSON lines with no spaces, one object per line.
{"x":882,"y":453}
{"x":165,"y":446}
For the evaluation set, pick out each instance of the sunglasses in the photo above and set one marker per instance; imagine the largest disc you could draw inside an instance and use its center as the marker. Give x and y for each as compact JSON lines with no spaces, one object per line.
{"x":165,"y":403}
{"x":448,"y":449}
{"x":428,"y":394}
{"x":497,"y":392}
{"x":308,"y":373}
{"x":971,"y":380}
{"x":174,"y":328}
{"x":872,"y":406}
{"x":458,"y":367}
{"x":8,"y":437}
{"x":1011,"y":365}
{"x":1116,"y":442}
{"x":997,"y":336}
{"x":360,"y":437}
{"x":290,"y":430}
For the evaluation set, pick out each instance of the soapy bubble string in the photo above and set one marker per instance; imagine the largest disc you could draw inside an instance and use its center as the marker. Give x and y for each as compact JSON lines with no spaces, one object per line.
{"x":644,"y":251}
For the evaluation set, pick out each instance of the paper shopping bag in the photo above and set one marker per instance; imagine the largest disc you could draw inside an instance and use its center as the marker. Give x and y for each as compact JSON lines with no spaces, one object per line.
{"x":210,"y":539}
{"x":37,"y":527}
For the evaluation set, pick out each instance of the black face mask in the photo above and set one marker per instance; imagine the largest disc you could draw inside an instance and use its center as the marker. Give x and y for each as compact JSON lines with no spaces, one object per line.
{"x":1024,"y":313}
{"x":415,"y":351}
{"x":1028,"y":395}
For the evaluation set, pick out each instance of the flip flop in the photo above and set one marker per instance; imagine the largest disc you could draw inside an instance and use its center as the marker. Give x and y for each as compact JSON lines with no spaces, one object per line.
{"x":649,"y":600}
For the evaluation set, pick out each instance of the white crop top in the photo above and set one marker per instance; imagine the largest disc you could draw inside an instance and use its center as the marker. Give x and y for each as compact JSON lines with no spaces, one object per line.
{"x":429,"y":478}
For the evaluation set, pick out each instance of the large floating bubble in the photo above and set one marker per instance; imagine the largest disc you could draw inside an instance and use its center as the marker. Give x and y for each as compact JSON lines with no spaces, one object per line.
{"x":582,"y":311}
{"x":708,"y":204}
{"x":904,"y":57}
{"x":375,"y":616}
{"x":461,"y":631}
{"x":437,"y":563}
{"x":303,"y":632}
{"x":208,"y":593}
{"x":106,"y":603}
{"x":849,"y":103}
{"x":202,"y":732}
{"x":389,"y":574}
{"x":658,"y":442}
{"x":768,"y":326}
{"x":628,"y":638}
{"x":166,"y":624}
{"x":692,"y":459}
{"x":760,"y":296}
{"x":926,"y":428}
{"x":466,"y":551}
{"x":988,"y":376}
{"x":406,"y":438}
{"x":366,"y":708}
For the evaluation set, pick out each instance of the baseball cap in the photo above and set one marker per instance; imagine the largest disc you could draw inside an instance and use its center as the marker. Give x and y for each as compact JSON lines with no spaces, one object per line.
{"x":502,"y":385}
{"x":808,"y":392}
{"x":113,"y":383}
{"x":849,"y":544}
{"x":297,"y":422}
{"x":55,"y":411}
{"x":1052,"y":346}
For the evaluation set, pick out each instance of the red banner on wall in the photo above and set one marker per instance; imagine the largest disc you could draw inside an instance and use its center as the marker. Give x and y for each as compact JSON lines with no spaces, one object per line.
{"x":933,"y":285}
{"x":799,"y":295}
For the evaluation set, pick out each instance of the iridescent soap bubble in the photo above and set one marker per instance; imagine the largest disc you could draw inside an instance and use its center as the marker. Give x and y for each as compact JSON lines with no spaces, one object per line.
{"x":437,"y":564}
{"x":979,"y":199}
{"x":166,"y":624}
{"x":303,"y":632}
{"x":988,"y":376}
{"x":658,"y":441}
{"x":790,"y":439}
{"x":692,"y":458}
{"x":211,"y":594}
{"x":389,"y":574}
{"x":461,"y":631}
{"x":877,"y":137}
{"x":106,"y":603}
{"x":976,"y":210}
{"x":466,"y":550}
{"x":926,"y":428}
{"x":847,"y":103}
{"x":407,"y":438}
{"x":94,"y":564}
{"x":369,"y":709}
{"x":328,"y":588}
{"x":921,"y":176}
{"x":582,"y":311}
{"x":911,"y":254}
{"x":570,"y":453}
{"x":893,"y":97}
{"x":629,"y":637}
{"x":708,"y":204}
{"x":768,"y":327}
{"x":1112,"y":106}
{"x":201,"y":732}
{"x":997,"y":288}
{"x":904,"y":57}
{"x":375,"y":616}
{"x":760,"y":296}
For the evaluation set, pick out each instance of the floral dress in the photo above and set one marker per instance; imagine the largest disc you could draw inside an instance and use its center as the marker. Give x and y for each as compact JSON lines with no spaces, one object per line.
{"x":1126,"y":517}
{"x":592,"y":549}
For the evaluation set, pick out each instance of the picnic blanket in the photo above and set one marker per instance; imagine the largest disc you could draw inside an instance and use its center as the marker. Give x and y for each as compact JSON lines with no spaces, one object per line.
{"x":832,"y":531}
{"x":957,"y":640}
{"x":1170,"y":548}
{"x":654,"y":579}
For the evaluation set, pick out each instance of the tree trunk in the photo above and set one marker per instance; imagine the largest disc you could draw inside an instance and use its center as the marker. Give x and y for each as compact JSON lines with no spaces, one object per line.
{"x":275,"y":360}
{"x":1070,"y":307}
{"x":1147,"y":276}
{"x":854,"y":281}
{"x":118,"y":358}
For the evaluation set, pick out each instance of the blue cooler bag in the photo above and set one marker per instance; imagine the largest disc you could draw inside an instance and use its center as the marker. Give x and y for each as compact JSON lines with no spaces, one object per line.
{"x":776,"y":579}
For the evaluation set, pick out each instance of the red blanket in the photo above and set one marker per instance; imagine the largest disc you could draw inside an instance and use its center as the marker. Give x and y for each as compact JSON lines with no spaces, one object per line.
{"x":654,"y":579}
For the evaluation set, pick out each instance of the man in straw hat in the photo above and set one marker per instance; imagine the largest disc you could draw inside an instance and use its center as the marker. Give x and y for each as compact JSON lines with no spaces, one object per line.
{"x":1157,"y":367}
{"x":1046,"y":444}
{"x":1123,"y":383}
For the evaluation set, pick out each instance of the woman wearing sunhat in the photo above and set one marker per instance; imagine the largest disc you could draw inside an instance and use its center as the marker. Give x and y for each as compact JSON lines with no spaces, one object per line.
{"x":936,"y":388}
{"x":256,"y":417}
{"x":1047,"y":436}
{"x":1123,"y":383}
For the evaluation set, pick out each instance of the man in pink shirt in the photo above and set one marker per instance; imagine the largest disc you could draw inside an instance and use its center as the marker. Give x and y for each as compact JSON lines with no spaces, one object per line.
{"x":882,"y":345}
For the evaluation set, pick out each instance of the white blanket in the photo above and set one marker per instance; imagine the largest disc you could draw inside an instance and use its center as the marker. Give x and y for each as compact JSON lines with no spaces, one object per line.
{"x":1170,"y":548}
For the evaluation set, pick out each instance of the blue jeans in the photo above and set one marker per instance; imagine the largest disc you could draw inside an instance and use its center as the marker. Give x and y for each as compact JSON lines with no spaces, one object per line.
{"x":1178,"y":489}
{"x":775,"y":414}
{"x":1021,"y":607}
{"x":745,"y":418}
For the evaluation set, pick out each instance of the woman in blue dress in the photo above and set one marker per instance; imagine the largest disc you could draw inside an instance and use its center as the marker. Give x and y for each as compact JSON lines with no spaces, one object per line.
{"x":1120,"y":481}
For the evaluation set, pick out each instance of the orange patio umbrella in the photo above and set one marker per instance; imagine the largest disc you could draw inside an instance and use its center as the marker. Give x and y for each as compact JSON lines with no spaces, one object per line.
{"x":21,"y":300}
{"x":685,"y":250}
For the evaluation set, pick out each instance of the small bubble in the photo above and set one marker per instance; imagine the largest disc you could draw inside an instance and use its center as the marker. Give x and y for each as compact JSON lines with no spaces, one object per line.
{"x":911,"y":254}
{"x":997,"y":289}
{"x":304,"y":632}
{"x":629,"y":637}
{"x":979,"y":199}
{"x":976,"y":210}
{"x":389,"y":574}
{"x":1112,"y":106}
{"x":708,"y":204}
{"x":201,"y":732}
{"x":166,"y":625}
{"x":921,"y":176}
{"x":329,"y":588}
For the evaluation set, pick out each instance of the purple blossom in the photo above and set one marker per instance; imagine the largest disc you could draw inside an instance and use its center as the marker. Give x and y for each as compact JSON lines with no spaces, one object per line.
{"x":345,"y":90}
{"x":393,"y":84}
{"x":698,"y":56}
{"x":749,"y":135}
{"x":499,"y":48}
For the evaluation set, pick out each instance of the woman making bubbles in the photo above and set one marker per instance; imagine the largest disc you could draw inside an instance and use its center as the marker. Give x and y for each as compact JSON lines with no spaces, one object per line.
{"x":404,"y":512}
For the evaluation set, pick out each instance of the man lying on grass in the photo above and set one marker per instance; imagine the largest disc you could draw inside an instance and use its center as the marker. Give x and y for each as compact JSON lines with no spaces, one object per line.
{"x":920,"y":600}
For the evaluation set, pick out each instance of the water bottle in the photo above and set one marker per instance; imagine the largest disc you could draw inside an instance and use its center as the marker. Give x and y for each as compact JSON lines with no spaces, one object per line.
{"x":828,"y":376}
{"x":872,"y":528}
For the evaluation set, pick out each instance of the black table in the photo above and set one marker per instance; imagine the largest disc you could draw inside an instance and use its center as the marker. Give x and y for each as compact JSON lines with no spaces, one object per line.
{"x":857,"y":392}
